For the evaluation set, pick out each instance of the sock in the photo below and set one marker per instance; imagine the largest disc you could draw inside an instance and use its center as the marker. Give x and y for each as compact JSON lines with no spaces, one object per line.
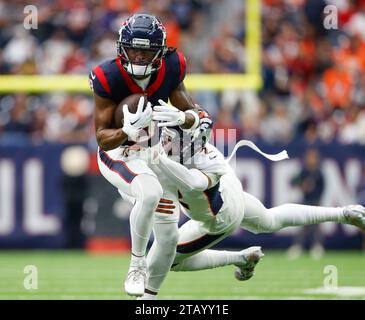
{"x":137,"y":261}
{"x":147,"y":191}
{"x":209,"y":259}
{"x":258,"y":219}
{"x":299,"y":215}
{"x":162,"y":254}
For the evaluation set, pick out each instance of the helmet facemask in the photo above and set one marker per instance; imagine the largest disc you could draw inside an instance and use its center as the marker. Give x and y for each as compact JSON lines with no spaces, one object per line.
{"x":182,"y":146}
{"x":142,"y":32}
{"x":141,"y":69}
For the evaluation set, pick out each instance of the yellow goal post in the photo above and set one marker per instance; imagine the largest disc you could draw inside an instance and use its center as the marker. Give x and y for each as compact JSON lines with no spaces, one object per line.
{"x":251,"y":79}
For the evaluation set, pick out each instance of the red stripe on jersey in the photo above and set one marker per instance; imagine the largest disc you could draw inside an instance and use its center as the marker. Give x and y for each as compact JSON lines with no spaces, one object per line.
{"x":182,"y":64}
{"x":157,"y":83}
{"x":165,"y":206}
{"x":101,"y":76}
{"x":132,"y":86}
{"x":162,"y":200}
{"x":165,"y":211}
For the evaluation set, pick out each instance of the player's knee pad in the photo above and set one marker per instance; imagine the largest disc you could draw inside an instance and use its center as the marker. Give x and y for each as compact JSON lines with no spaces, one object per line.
{"x":148,"y":189}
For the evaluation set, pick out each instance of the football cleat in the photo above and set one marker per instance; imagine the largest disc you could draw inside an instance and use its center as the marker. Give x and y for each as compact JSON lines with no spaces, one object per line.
{"x":147,"y":297}
{"x":355,"y":215}
{"x":250,"y":257}
{"x":136,"y":279}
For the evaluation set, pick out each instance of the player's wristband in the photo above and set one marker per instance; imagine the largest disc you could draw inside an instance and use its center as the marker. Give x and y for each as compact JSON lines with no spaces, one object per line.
{"x":196,"y":121}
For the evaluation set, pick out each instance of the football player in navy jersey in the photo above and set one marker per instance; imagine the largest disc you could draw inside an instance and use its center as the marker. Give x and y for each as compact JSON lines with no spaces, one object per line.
{"x":144,"y":65}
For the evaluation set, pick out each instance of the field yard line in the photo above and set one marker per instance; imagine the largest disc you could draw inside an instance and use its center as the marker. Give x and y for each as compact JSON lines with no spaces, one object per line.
{"x":339,"y":291}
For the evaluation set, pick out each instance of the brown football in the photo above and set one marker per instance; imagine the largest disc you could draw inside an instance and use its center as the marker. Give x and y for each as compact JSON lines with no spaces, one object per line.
{"x":132,"y":102}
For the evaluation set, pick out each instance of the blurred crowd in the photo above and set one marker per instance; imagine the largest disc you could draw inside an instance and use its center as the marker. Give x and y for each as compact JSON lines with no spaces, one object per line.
{"x":313,"y":78}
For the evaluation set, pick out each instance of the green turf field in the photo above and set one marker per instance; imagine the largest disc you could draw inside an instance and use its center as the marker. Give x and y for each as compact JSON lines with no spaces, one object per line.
{"x":77,"y":275}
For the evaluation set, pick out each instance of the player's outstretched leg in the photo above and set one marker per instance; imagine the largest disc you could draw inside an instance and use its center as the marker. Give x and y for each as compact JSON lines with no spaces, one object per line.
{"x":245,"y":261}
{"x":147,"y":191}
{"x":191,"y":256}
{"x":259,"y":219}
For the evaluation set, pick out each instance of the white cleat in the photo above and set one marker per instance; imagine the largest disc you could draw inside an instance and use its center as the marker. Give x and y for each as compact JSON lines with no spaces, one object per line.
{"x":251,"y":256}
{"x":147,"y":297}
{"x":136,"y":280}
{"x":355,"y":215}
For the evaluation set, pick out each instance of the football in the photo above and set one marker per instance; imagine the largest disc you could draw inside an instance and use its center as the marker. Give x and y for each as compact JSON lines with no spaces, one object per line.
{"x":132,"y":102}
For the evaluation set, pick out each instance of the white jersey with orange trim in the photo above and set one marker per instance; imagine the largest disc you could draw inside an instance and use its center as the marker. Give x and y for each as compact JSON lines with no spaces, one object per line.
{"x":221,"y":207}
{"x":217,"y":208}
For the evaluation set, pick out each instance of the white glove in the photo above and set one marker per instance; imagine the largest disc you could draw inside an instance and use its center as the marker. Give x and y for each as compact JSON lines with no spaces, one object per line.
{"x":135,"y":122}
{"x":170,"y":115}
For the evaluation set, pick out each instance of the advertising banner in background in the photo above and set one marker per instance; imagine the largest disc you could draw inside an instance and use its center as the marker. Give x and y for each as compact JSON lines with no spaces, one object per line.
{"x":31,"y":206}
{"x":33,"y":215}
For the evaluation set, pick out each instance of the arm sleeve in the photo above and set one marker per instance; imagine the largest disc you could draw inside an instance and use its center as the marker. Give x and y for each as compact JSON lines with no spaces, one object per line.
{"x":184,"y":178}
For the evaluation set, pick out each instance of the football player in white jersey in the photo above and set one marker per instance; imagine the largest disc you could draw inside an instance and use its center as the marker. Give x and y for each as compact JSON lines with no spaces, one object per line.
{"x":213,"y":198}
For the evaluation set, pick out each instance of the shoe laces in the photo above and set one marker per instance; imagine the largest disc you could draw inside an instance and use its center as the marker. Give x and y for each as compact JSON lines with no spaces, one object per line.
{"x":137,"y":273}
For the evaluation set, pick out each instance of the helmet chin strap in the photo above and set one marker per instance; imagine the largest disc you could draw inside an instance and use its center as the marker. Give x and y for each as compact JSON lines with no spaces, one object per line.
{"x":137,"y":70}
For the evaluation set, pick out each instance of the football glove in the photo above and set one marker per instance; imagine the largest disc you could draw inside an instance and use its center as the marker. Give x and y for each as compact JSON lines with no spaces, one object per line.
{"x":135,"y":122}
{"x":168,"y":115}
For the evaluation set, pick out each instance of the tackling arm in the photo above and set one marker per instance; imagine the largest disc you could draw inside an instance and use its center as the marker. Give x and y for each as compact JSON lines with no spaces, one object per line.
{"x":184,"y":178}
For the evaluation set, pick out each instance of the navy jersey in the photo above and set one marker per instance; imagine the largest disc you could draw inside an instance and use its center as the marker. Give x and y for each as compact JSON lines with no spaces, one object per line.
{"x":110,"y":80}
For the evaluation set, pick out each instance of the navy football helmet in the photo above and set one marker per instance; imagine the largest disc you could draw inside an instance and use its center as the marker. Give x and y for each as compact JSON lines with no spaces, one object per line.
{"x":144,"y":32}
{"x":181,"y":146}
